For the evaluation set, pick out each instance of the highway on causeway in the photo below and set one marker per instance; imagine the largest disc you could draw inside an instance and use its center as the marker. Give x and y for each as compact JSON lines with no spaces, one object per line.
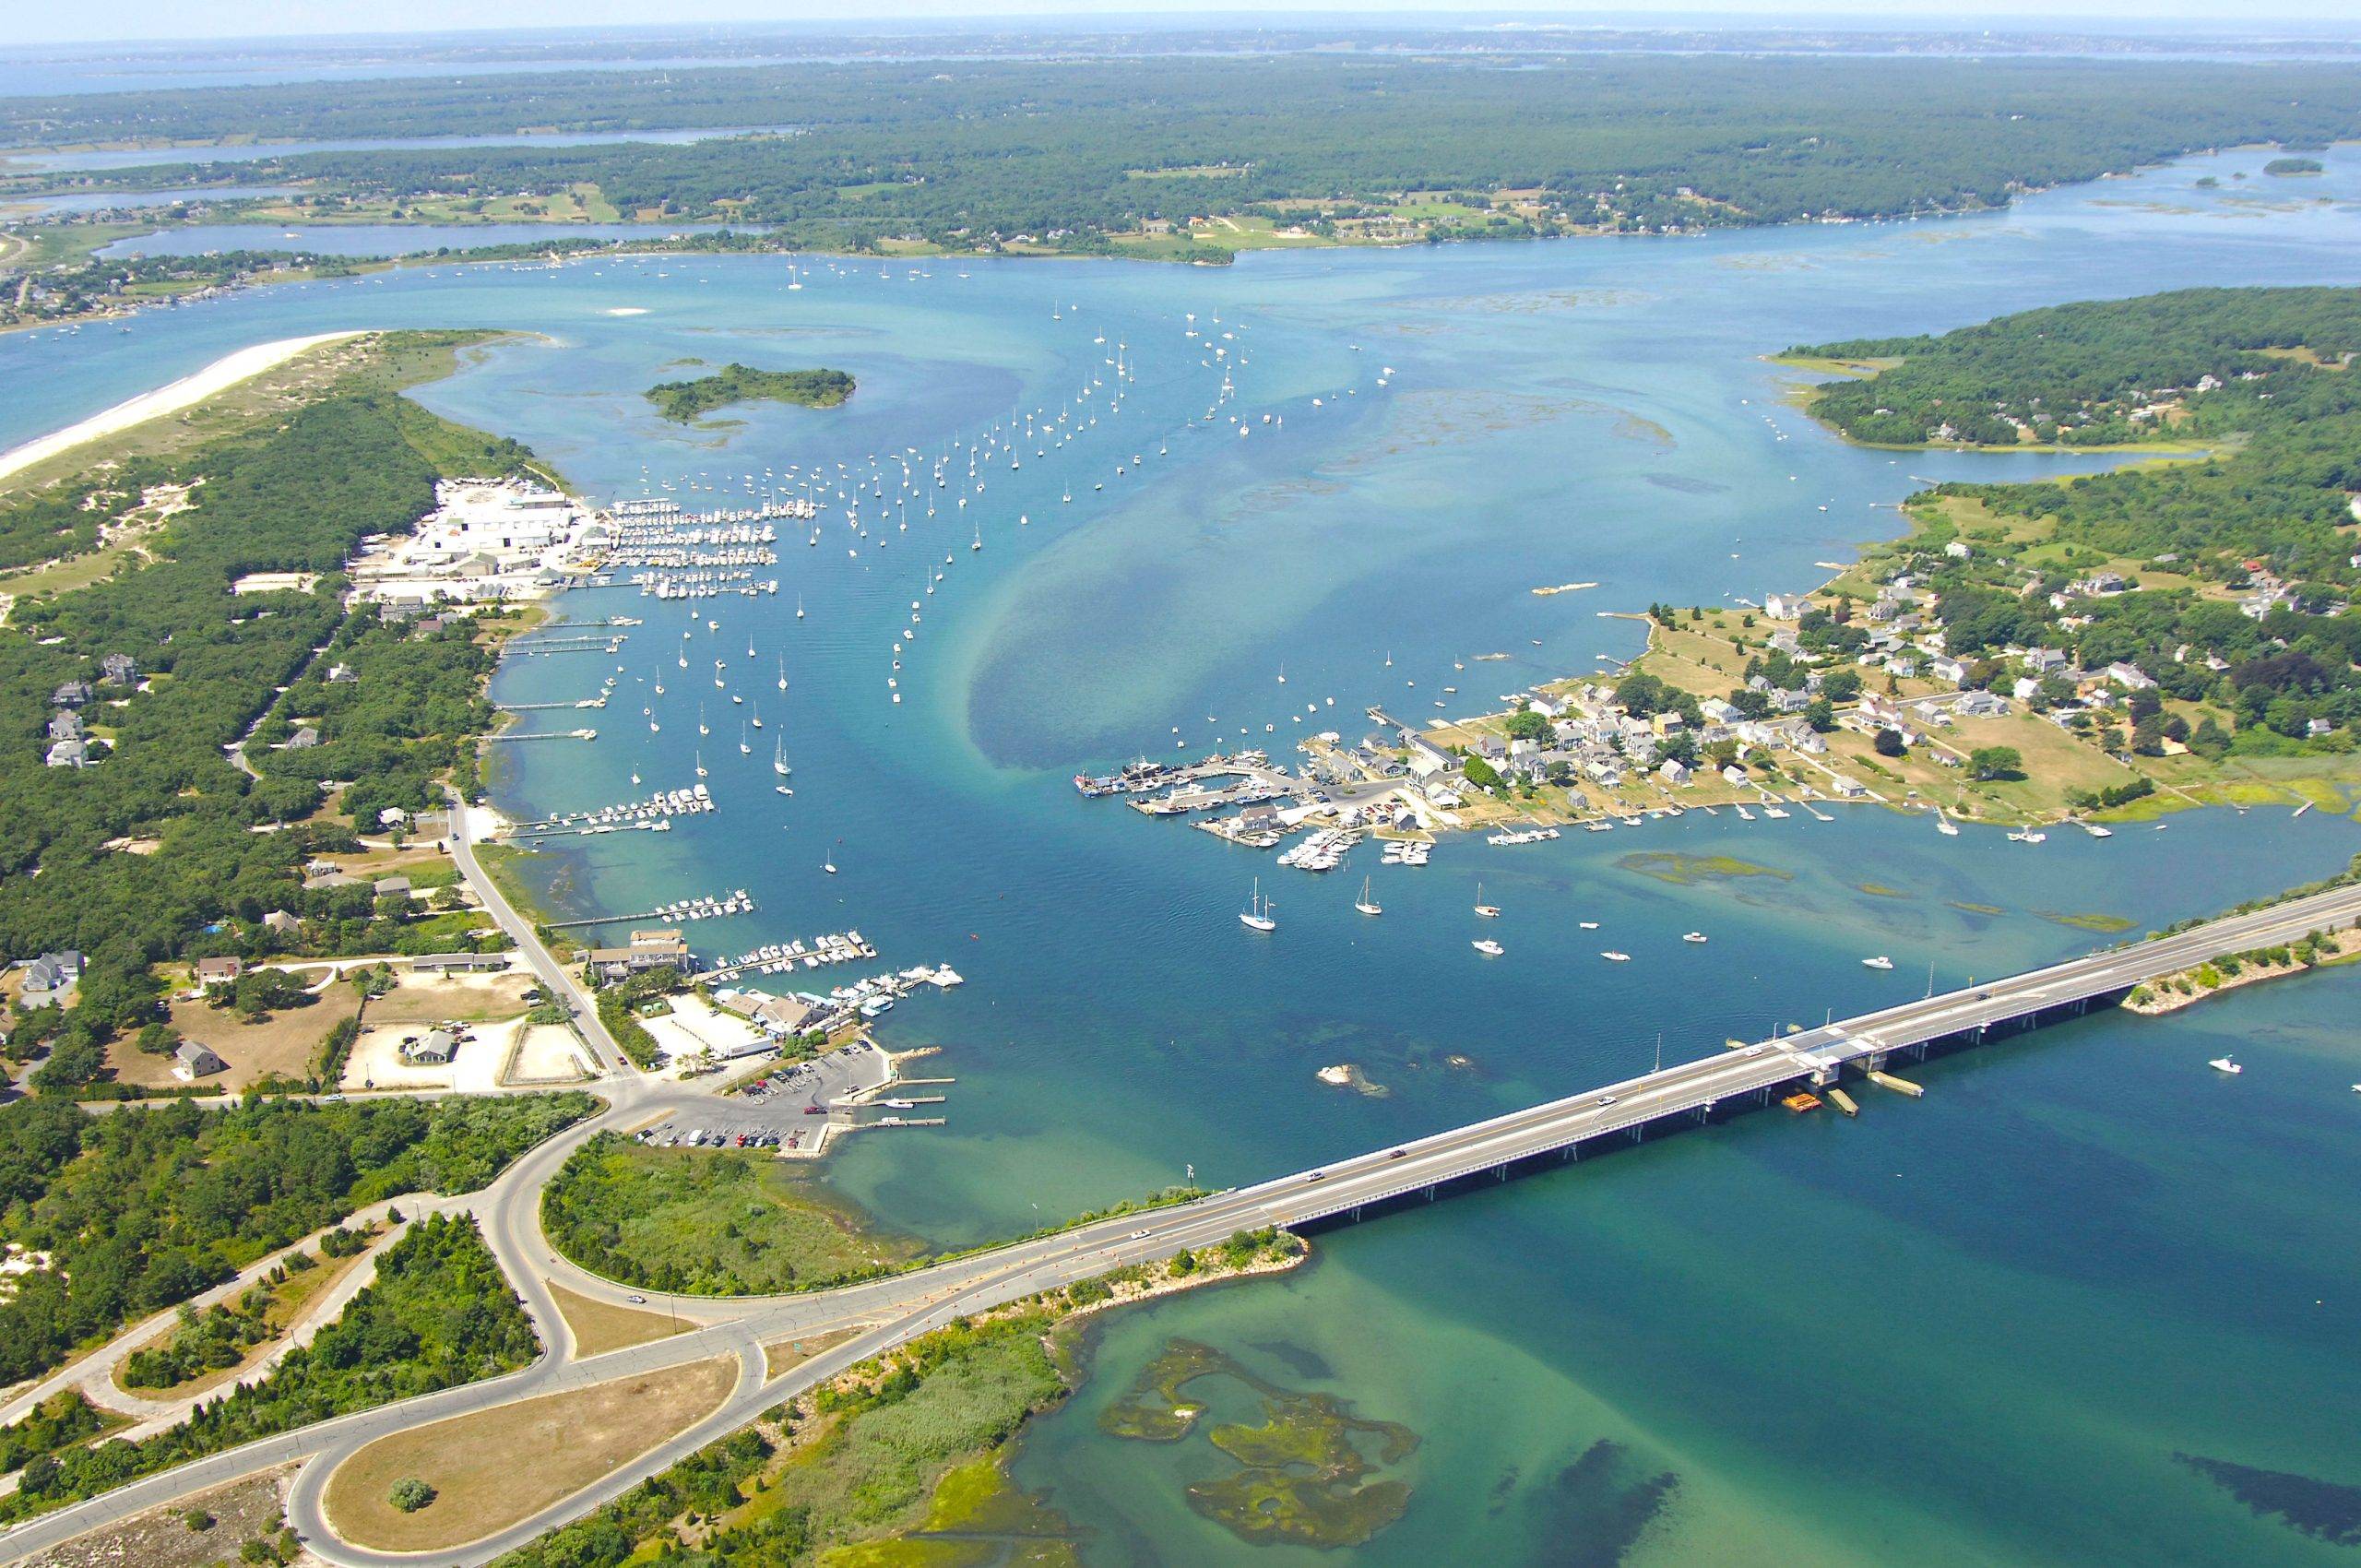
{"x":884,"y":1312}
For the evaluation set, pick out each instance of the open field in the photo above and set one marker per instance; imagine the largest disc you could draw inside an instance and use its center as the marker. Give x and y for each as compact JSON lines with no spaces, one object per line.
{"x":421,"y":998}
{"x":286,"y":1044}
{"x":600,"y":1327}
{"x":495,"y":1467}
{"x":242,"y":1511}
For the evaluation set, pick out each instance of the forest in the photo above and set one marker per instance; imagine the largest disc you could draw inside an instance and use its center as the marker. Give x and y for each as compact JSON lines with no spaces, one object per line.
{"x":2242,"y":557}
{"x":685,"y":400}
{"x":974,"y":152}
{"x":438,"y":1315}
{"x":289,"y":495}
{"x":143,"y":1209}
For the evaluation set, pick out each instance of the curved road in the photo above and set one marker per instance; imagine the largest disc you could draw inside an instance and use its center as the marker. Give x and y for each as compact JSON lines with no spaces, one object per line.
{"x":886,"y":1312}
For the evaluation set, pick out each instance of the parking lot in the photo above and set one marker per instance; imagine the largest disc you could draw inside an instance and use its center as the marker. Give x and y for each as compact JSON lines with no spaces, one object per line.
{"x":783,"y":1111}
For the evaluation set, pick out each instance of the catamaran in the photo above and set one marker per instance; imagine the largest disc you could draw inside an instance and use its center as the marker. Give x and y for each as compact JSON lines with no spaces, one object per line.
{"x":1366,"y":904}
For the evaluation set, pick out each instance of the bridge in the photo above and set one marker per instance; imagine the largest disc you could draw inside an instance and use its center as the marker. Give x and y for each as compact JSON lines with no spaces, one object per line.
{"x":882,"y":1314}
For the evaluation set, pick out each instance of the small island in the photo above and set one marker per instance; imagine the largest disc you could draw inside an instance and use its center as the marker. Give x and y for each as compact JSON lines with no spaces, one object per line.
{"x":685,"y":401}
{"x":2283,"y":166}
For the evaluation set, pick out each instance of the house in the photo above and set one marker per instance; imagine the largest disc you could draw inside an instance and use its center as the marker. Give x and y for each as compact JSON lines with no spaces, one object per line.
{"x":392,"y":816}
{"x":2044,"y":661}
{"x":1547,"y":705}
{"x":1847,"y":788}
{"x":73,"y":694}
{"x":192,"y":1061}
{"x":282,"y":922}
{"x":50,"y":979}
{"x":303,"y":740}
{"x":1784,"y":606}
{"x":332,"y":879}
{"x":341,"y":675}
{"x":1956,"y":550}
{"x":648,"y":950}
{"x":118,"y":669}
{"x":1981,"y":705}
{"x":1733,"y":774}
{"x":435,"y":1047}
{"x":393,"y":887}
{"x":1948,"y":669}
{"x":2131,"y":677}
{"x":459,"y":963}
{"x":219,"y":971}
{"x":785,"y":1015}
{"x":1489,"y":747}
{"x":2025,"y":688}
{"x":65,"y":725}
{"x":1427,"y":759}
{"x":1719,"y":712}
{"x":1675,"y":771}
{"x":68,"y":754}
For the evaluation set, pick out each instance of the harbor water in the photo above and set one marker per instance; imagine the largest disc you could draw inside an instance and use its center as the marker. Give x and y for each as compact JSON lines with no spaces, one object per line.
{"x":2087,"y":1303}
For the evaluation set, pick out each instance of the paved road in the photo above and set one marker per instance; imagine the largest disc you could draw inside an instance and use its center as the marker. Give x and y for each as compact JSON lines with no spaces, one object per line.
{"x":888,"y":1312}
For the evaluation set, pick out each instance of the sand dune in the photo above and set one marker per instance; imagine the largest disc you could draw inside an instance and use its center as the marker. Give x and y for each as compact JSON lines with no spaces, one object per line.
{"x":188,"y":391}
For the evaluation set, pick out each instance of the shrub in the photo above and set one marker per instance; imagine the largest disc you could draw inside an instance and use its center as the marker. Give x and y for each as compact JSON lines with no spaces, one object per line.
{"x":410,"y":1494}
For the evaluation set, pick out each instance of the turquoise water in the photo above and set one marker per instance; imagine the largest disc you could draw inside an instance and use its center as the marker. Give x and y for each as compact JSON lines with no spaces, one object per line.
{"x":1969,"y":1329}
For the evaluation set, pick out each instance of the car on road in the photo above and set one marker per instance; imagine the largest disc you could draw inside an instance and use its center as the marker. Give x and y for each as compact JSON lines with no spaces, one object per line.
{"x":1317,"y":1176}
{"x":1605,"y":1100}
{"x":1396,"y":1154}
{"x":1139,"y":1235}
{"x":636,"y":1301}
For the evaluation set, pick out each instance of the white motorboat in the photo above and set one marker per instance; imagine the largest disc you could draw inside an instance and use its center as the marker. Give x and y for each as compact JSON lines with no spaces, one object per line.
{"x":1880,"y":962}
{"x":2223,"y":1064}
{"x":1487,"y":946}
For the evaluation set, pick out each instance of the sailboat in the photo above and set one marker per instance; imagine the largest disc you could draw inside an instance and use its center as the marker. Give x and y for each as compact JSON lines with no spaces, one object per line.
{"x":743,"y":749}
{"x":758,"y":715}
{"x":799,"y":607}
{"x":1944,"y":825}
{"x":700,"y":756}
{"x":1366,"y":904}
{"x":778,"y":756}
{"x":782,"y":674}
{"x":1257,"y":913}
{"x":1489,"y":911}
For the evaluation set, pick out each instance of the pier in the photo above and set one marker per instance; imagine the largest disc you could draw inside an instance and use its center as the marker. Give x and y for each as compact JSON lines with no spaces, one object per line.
{"x":510,"y":740}
{"x":702,"y":908}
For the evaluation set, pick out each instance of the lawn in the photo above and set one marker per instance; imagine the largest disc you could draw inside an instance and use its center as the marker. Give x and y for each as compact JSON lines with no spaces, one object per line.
{"x":601,"y":1327}
{"x":707,"y":1222}
{"x":286,"y":1044}
{"x":493,"y":1467}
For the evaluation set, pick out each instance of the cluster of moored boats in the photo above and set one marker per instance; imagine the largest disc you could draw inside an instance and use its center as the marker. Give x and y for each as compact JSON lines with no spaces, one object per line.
{"x":1324,"y":850}
{"x":655,"y":814}
{"x":1526,"y":836}
{"x":738,"y":902}
{"x":779,"y":958}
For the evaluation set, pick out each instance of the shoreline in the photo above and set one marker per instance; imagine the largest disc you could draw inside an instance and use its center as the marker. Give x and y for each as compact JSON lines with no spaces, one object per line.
{"x":230,"y":370}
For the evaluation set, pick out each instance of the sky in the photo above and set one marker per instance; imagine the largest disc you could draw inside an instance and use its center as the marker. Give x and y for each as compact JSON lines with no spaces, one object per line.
{"x":34,"y":22}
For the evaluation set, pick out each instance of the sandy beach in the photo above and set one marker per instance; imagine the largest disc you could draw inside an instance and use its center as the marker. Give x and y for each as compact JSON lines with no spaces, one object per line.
{"x":188,"y":391}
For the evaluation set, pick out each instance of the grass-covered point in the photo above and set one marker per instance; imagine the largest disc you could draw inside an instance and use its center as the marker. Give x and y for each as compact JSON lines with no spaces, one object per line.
{"x":708,"y":1224}
{"x":898,"y":1460}
{"x":142,"y":1209}
{"x":686,"y":400}
{"x":439,"y":1313}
